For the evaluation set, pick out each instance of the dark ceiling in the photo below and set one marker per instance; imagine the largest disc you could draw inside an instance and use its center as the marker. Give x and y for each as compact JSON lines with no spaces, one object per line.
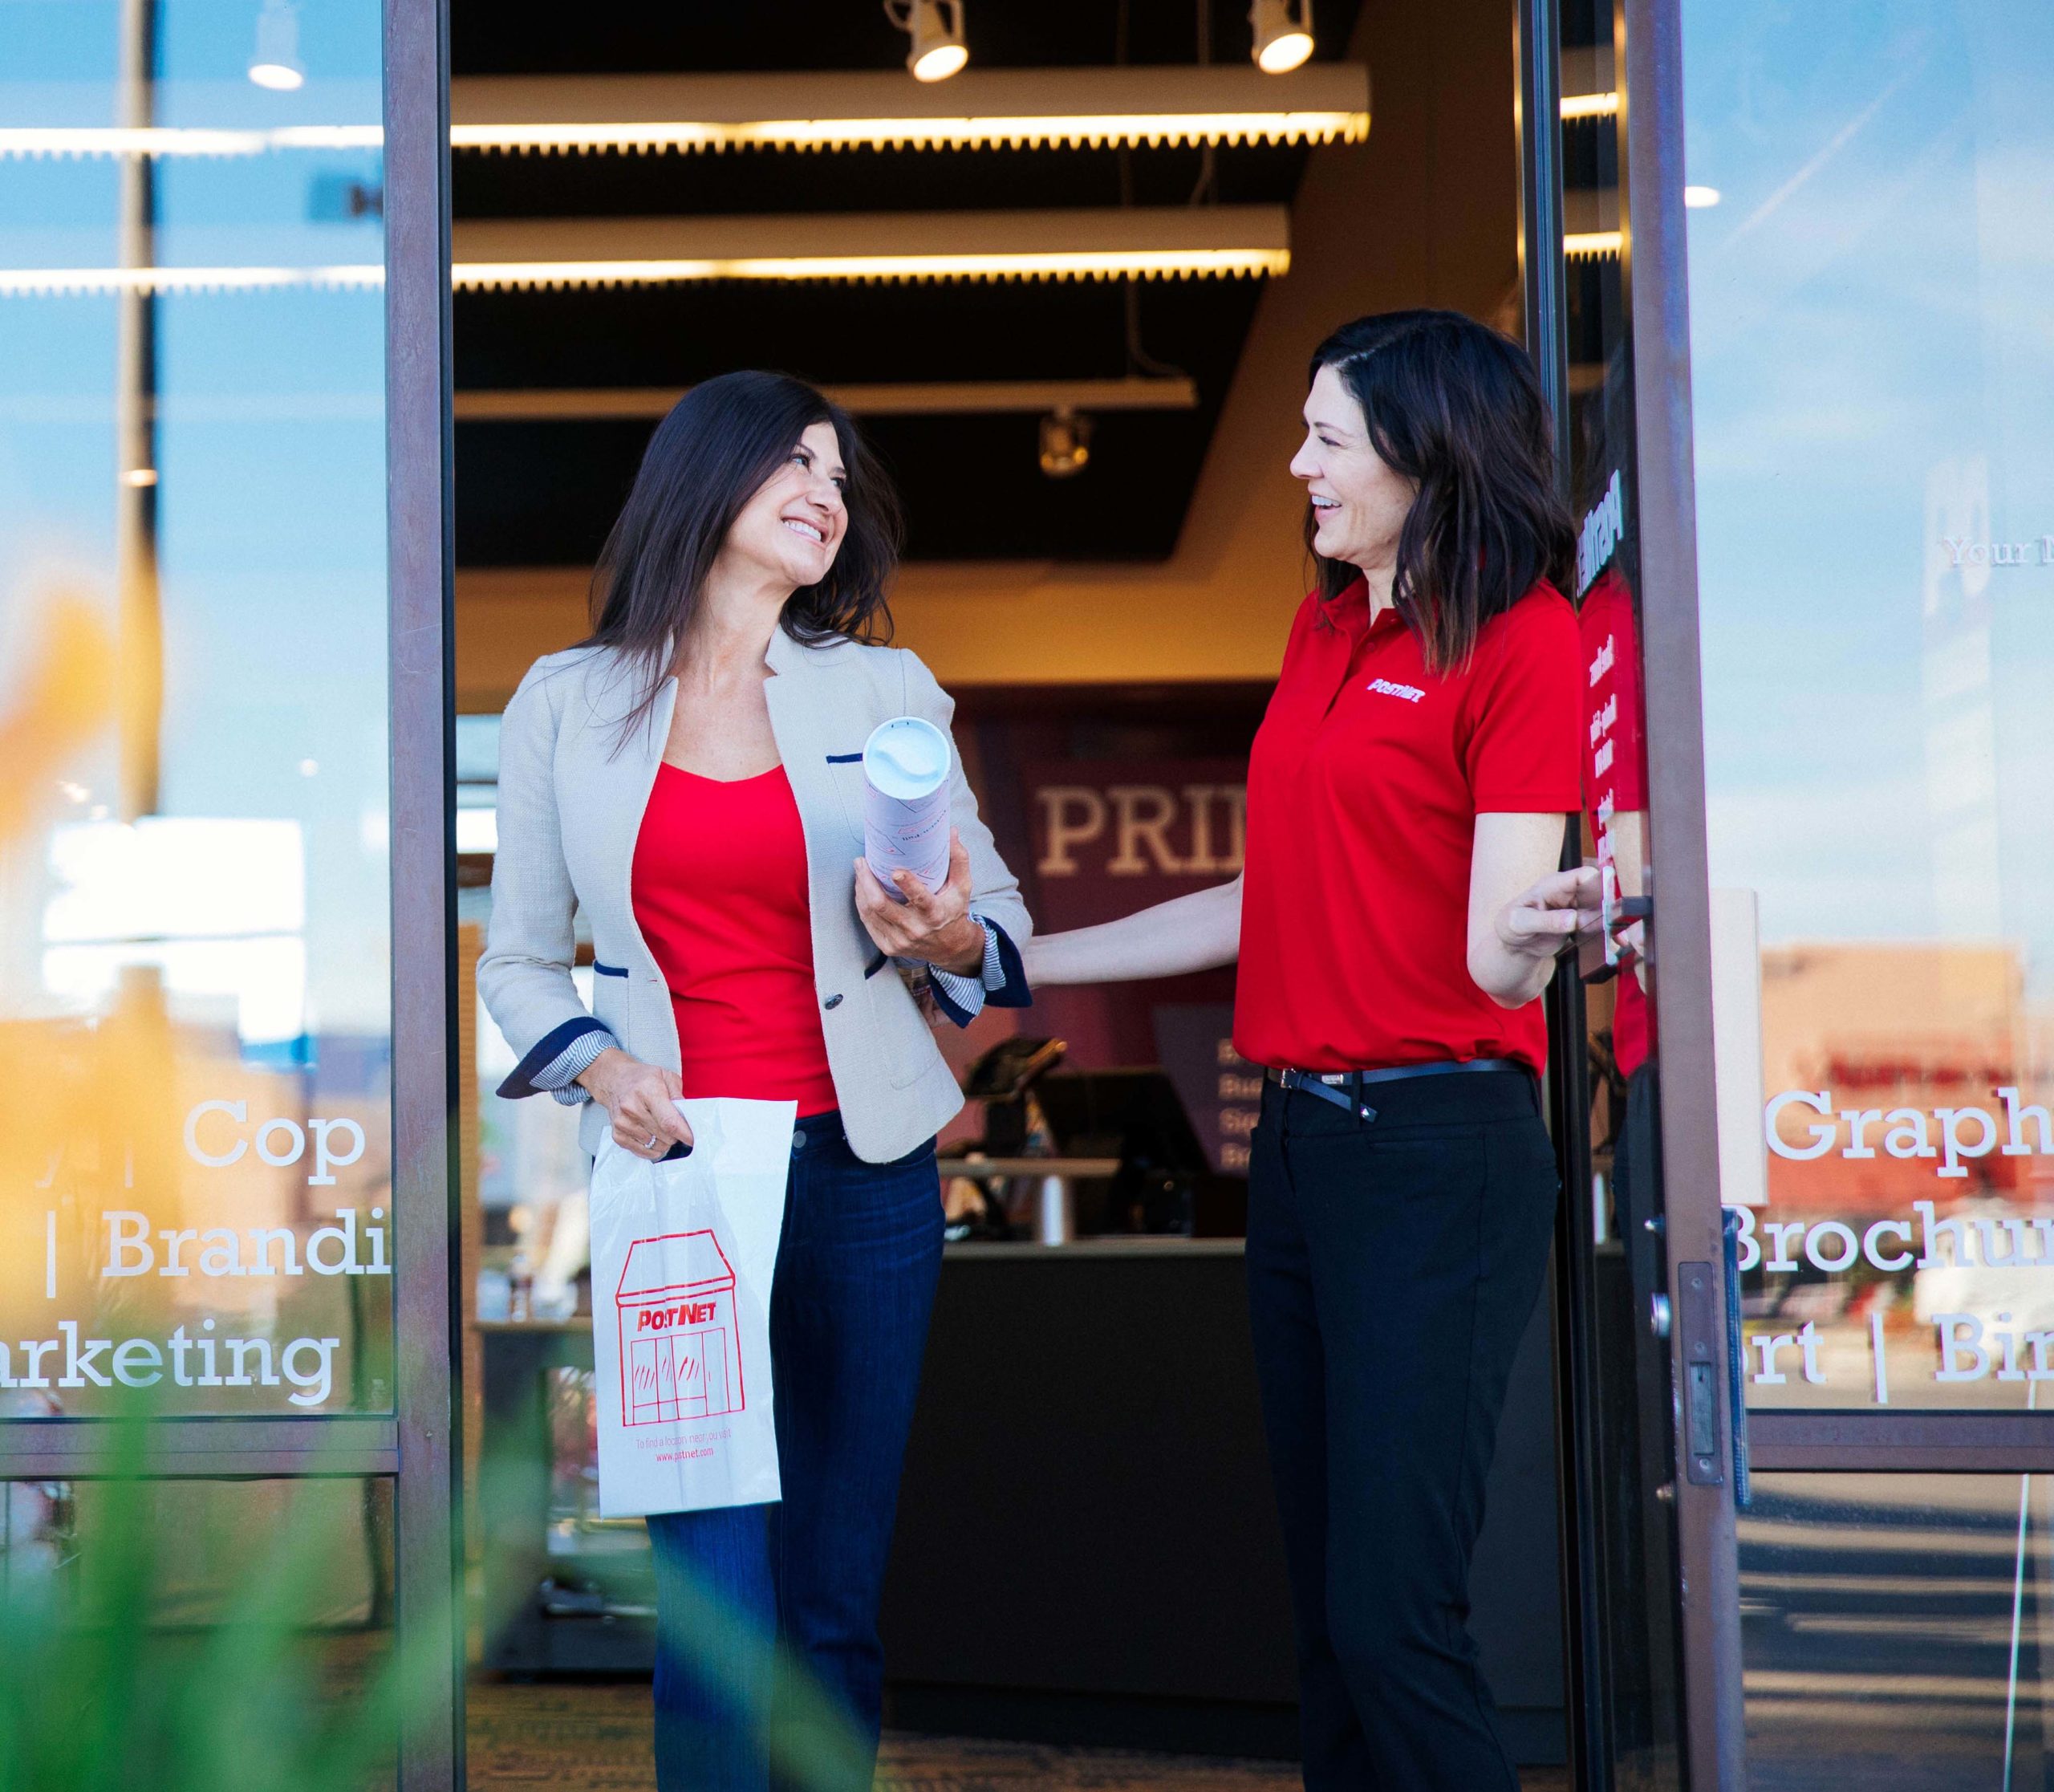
{"x":533,"y":494}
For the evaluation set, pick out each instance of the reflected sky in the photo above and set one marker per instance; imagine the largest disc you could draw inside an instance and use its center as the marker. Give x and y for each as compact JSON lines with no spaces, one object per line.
{"x":1873,"y":379}
{"x":271,"y":446}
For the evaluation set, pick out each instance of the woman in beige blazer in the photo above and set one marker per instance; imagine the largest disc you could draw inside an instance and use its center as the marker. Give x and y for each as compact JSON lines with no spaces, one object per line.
{"x":691,"y":777}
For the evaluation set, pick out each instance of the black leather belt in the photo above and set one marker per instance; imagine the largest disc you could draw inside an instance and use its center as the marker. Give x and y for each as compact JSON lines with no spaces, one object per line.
{"x":1344,"y":1088}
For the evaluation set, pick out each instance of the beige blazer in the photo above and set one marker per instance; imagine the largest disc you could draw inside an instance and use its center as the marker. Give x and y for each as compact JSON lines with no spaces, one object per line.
{"x":571,"y":796}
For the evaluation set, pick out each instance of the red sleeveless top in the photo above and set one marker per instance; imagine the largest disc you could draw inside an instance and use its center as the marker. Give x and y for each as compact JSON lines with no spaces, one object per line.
{"x":720,"y":892}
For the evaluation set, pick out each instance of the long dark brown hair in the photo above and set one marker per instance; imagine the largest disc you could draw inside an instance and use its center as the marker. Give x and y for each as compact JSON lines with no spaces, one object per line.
{"x":1456,"y":407}
{"x":714,"y":452}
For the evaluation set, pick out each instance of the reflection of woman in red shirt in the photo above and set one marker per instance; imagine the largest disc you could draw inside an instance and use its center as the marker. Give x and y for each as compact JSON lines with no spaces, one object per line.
{"x":1400,"y":912}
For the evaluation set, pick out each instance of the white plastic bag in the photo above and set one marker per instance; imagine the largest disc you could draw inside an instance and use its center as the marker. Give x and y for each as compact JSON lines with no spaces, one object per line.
{"x":682,"y":1254}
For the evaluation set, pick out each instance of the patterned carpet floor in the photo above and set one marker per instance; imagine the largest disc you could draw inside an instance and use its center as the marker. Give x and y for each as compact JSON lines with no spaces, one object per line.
{"x":594,"y":1738}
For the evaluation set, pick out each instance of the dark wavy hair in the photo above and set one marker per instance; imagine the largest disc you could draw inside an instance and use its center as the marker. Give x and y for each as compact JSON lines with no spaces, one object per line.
{"x":1456,"y":407}
{"x":714,"y":452}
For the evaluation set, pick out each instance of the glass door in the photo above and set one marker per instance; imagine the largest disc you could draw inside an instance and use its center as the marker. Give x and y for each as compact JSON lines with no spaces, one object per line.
{"x":225,"y":1365}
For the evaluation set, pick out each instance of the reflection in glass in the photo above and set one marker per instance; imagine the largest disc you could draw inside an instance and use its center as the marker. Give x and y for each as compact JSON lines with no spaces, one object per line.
{"x":1872,"y":380}
{"x":195,"y":1078}
{"x":174,"y":1627}
{"x":1898,"y":1629}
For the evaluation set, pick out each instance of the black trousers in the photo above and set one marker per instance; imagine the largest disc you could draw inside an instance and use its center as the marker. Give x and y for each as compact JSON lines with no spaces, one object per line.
{"x":1393,"y":1265}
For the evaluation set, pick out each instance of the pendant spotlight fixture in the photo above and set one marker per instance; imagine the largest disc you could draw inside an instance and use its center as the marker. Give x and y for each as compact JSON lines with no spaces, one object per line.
{"x":1283,"y":35}
{"x":1065,"y":443}
{"x":277,"y":65}
{"x":935,"y":27}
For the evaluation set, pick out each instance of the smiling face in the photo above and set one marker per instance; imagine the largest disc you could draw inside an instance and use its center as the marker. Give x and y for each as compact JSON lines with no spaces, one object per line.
{"x":792,"y":527}
{"x":1359,"y":503}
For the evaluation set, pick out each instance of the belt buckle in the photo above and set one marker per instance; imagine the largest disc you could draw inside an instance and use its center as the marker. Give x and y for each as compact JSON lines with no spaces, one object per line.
{"x":1330,"y":1086}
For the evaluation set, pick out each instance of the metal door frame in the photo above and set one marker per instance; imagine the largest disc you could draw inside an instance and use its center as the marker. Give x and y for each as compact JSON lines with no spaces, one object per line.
{"x":1656,"y":267}
{"x":1647,"y":58}
{"x":415,"y":1446}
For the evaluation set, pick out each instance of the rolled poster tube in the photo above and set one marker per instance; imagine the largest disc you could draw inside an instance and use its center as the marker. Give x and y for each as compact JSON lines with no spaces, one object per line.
{"x":905,"y":765}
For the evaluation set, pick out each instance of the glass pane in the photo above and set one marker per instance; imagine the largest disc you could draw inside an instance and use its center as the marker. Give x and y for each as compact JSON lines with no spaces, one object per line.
{"x":187,"y":1622}
{"x":1622,"y":1269}
{"x":1899,"y":1626}
{"x":195,"y":1075}
{"x":1873,"y":378}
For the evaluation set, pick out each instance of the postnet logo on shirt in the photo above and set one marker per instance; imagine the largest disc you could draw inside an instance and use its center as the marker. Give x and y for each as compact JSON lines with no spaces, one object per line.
{"x":1385,"y":687}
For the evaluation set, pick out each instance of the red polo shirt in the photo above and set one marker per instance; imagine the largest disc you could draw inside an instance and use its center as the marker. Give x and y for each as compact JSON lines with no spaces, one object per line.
{"x":1364,"y":786}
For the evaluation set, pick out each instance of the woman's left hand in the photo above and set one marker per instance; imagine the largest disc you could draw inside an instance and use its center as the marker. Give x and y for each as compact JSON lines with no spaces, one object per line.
{"x":934,"y":926}
{"x":1547,"y":916}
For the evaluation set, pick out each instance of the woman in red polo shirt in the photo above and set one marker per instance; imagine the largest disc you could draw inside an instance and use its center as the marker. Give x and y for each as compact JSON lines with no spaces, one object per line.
{"x":1399,"y":912}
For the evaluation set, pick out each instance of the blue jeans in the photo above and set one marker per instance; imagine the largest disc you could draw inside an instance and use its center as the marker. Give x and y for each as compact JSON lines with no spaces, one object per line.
{"x":856,"y":1265}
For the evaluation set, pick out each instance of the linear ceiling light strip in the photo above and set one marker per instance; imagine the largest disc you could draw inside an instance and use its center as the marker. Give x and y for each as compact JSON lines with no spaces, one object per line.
{"x":40,"y":281}
{"x":1151,"y":130}
{"x":69,"y":141}
{"x":1584,"y":245}
{"x":1012,"y":108}
{"x":1064,"y":131}
{"x":1590,"y":105}
{"x":497,"y":276}
{"x":1103,"y":264}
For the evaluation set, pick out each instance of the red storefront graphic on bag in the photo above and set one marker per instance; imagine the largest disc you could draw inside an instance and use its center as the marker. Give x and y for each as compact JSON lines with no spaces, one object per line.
{"x":680,"y":1348}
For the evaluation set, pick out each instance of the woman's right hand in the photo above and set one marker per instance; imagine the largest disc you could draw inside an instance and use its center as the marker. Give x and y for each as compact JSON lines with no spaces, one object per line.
{"x":639,"y":1097}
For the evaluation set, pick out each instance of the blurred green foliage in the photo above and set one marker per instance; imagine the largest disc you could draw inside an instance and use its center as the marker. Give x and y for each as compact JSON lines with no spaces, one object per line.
{"x":114,"y":1679}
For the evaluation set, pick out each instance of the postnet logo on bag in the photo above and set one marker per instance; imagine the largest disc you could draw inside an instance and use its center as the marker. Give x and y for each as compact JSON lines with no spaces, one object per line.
{"x":680,"y":1347}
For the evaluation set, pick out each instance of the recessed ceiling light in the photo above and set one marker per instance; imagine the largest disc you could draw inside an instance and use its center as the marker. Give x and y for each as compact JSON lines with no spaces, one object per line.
{"x":1699,"y":198}
{"x":1283,"y":35}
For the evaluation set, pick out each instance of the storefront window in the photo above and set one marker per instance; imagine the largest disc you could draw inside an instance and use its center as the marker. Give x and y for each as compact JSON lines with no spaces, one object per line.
{"x":195,"y":1056}
{"x":1872,"y":380}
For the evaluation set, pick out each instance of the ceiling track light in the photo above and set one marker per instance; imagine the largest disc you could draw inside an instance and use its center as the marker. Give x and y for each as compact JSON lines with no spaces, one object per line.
{"x":935,"y":27}
{"x":1283,"y":35}
{"x":1065,"y":443}
{"x":276,"y":64}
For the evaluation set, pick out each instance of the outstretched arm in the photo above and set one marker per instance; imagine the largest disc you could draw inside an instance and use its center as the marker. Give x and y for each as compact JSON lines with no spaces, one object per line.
{"x":1194,"y":932}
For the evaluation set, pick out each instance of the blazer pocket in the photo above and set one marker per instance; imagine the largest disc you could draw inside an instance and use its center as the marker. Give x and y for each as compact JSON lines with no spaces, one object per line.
{"x":904,"y":1040}
{"x":845,"y":772}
